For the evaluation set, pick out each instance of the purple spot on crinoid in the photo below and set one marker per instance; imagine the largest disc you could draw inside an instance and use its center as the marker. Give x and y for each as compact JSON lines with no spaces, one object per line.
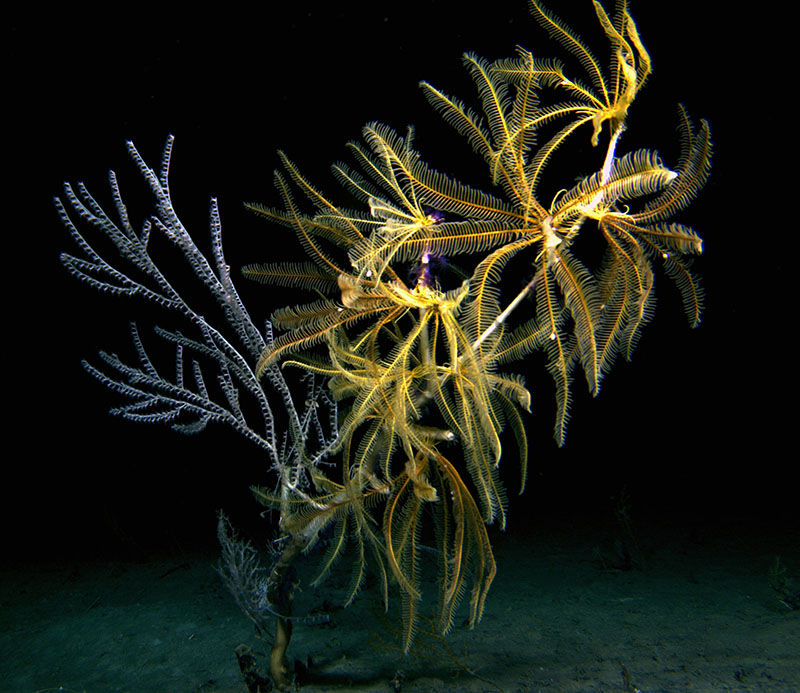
{"x":436,"y":216}
{"x":430,"y":268}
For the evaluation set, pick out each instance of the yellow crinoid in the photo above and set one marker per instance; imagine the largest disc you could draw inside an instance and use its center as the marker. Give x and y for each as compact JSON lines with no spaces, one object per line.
{"x":417,"y":356}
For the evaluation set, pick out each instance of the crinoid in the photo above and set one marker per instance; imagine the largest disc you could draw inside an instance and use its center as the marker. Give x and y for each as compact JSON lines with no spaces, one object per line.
{"x":420,"y":362}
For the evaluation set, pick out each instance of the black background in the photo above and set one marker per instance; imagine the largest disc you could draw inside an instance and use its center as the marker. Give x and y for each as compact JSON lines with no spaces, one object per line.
{"x":698,"y":428}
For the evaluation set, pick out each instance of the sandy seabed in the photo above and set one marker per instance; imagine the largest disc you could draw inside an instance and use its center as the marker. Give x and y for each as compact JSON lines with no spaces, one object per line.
{"x":698,"y":616}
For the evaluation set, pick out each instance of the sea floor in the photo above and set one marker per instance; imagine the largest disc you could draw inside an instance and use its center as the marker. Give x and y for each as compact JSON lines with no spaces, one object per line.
{"x":695,"y":613}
